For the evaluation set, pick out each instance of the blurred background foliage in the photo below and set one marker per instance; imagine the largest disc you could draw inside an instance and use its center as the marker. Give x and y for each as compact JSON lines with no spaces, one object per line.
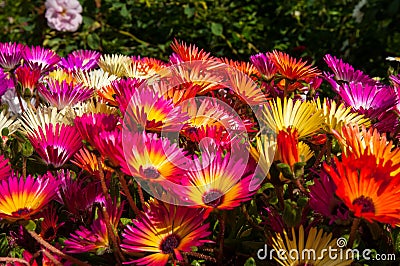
{"x":228,"y":28}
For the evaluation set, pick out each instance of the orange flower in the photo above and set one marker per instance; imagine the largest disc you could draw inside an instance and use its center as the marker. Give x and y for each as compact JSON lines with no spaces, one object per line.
{"x":367,"y":188}
{"x":292,"y":70}
{"x":369,"y":142}
{"x":287,"y":141}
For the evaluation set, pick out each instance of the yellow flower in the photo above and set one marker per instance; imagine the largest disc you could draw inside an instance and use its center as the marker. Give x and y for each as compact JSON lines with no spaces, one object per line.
{"x":303,"y":116}
{"x":308,"y":250}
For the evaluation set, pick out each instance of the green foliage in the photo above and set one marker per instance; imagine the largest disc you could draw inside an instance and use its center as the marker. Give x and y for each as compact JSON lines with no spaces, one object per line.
{"x":234,"y":29}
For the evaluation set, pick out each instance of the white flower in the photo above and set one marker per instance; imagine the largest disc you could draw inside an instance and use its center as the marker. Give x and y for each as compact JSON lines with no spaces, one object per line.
{"x":63,"y":15}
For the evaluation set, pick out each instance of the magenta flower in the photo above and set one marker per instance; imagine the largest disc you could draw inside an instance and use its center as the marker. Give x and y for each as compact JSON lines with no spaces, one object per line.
{"x":21,"y":198}
{"x":55,"y":144}
{"x":374,"y":101}
{"x":94,"y":239}
{"x":10,"y":55}
{"x":63,"y":15}
{"x":5,"y":168}
{"x":264,"y":65}
{"x":92,"y":124}
{"x":324,"y":201}
{"x":80,"y":60}
{"x":78,"y":194}
{"x":150,"y":111}
{"x":344,"y":73}
{"x":63,"y":94}
{"x":37,"y":57}
{"x":163,"y":232}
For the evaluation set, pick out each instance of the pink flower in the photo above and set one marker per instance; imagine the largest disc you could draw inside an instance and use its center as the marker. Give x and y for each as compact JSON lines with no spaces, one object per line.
{"x":63,"y":15}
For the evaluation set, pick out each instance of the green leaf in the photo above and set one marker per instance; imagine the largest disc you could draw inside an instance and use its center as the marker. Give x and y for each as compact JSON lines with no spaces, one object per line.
{"x":3,"y":245}
{"x":30,"y":225}
{"x":250,"y":262}
{"x":93,"y":40}
{"x":124,"y":12}
{"x":285,"y":170}
{"x":195,"y":263}
{"x":5,"y":131}
{"x":216,"y":28}
{"x":188,"y":11}
{"x":27,"y":149}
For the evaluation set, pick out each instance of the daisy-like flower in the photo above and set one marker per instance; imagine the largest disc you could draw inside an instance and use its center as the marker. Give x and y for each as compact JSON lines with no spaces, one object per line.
{"x":93,"y":240}
{"x":55,"y":143}
{"x":344,"y":73}
{"x":143,"y":68}
{"x":292,"y":71}
{"x":206,"y":112}
{"x":95,"y":79}
{"x":78,"y":194}
{"x":114,"y":64}
{"x":80,"y":59}
{"x":10,"y":55}
{"x":315,"y":240}
{"x":152,"y":112}
{"x":91,"y":124}
{"x":210,"y":75}
{"x":21,"y":198}
{"x":153,"y":159}
{"x":32,"y":119}
{"x":187,"y":53}
{"x":216,"y":182}
{"x":303,"y":116}
{"x":245,"y":67}
{"x":37,"y":57}
{"x":367,"y":189}
{"x":28,"y":78}
{"x":178,"y":94}
{"x":265,"y":66}
{"x":164,"y":231}
{"x":367,"y":99}
{"x":5,"y":168}
{"x":109,"y":144}
{"x":120,"y":92}
{"x":49,"y":226}
{"x":246,"y":88}
{"x":324,"y":201}
{"x":62,"y":94}
{"x":369,"y":142}
{"x":336,"y":116}
{"x":96,"y":238}
{"x":87,"y":161}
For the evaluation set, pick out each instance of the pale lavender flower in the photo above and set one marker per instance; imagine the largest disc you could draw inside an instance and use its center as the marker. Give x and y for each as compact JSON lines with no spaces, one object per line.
{"x":63,"y":15}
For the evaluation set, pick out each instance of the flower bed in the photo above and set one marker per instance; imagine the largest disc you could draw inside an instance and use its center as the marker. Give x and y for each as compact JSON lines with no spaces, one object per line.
{"x":109,"y":159}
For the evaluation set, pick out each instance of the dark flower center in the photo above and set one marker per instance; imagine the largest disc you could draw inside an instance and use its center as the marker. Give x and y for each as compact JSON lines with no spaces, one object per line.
{"x":366,"y":203}
{"x":21,"y":212}
{"x":49,"y":234}
{"x":151,"y":172}
{"x":213,"y":198}
{"x":170,"y":243}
